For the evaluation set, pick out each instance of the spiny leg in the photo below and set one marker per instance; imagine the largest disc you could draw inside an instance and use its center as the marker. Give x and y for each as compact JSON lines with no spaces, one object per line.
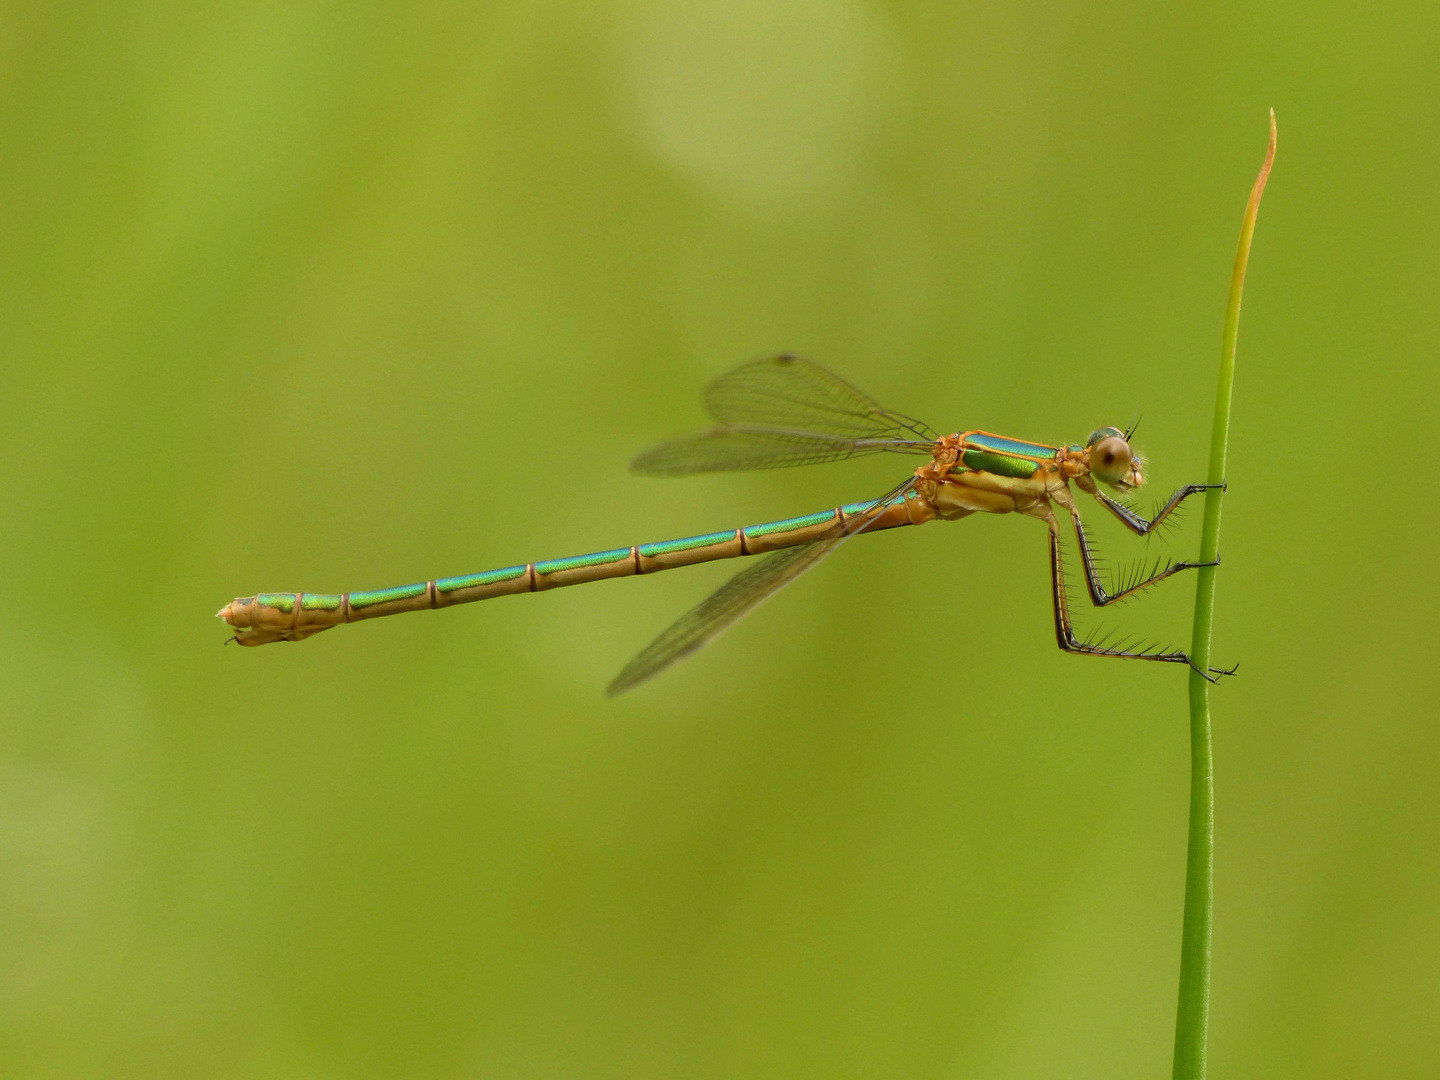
{"x":1098,"y":596}
{"x":1137,"y":523}
{"x":1065,"y":630}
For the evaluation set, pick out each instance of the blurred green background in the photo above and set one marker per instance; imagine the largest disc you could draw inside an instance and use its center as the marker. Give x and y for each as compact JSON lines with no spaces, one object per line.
{"x":319,"y":295}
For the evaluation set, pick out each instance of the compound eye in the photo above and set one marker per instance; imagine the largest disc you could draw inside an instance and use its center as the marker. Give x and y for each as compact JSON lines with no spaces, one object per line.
{"x":1110,"y":460}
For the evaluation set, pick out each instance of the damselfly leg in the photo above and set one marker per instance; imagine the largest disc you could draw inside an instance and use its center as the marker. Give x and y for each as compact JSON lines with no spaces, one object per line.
{"x":1099,"y":596}
{"x":1137,"y":523}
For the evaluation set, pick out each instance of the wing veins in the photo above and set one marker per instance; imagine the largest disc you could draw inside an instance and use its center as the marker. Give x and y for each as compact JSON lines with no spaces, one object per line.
{"x":742,"y":594}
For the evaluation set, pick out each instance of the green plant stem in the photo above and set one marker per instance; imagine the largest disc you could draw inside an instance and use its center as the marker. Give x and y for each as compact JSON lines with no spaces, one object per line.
{"x":1193,"y":1011}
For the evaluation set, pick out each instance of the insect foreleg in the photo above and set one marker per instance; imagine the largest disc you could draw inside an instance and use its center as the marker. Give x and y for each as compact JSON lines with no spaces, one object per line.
{"x":1137,"y":523}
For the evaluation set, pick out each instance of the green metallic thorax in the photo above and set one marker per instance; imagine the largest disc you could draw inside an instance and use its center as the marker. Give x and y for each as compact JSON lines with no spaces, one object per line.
{"x":996,"y":454}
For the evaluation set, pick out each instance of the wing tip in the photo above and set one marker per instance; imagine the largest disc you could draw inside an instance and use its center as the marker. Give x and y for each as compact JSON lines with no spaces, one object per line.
{"x":626,"y":680}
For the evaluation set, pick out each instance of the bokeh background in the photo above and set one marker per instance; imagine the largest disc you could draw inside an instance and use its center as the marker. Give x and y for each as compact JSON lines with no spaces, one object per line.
{"x":320,"y":295}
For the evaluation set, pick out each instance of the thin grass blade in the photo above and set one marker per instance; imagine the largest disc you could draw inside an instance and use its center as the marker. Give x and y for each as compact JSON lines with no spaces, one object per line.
{"x":1192,"y":1019}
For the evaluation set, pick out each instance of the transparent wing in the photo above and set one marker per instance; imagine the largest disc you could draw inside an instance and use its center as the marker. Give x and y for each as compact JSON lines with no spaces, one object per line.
{"x":790,"y":392}
{"x":784,"y":411}
{"x":725,"y":449}
{"x":741,"y":594}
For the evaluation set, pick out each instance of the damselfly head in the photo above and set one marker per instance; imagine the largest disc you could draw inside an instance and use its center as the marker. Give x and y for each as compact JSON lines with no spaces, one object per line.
{"x":1111,"y":461}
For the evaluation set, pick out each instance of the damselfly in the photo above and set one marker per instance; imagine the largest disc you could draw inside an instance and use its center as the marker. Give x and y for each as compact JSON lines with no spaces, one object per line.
{"x":790,"y":411}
